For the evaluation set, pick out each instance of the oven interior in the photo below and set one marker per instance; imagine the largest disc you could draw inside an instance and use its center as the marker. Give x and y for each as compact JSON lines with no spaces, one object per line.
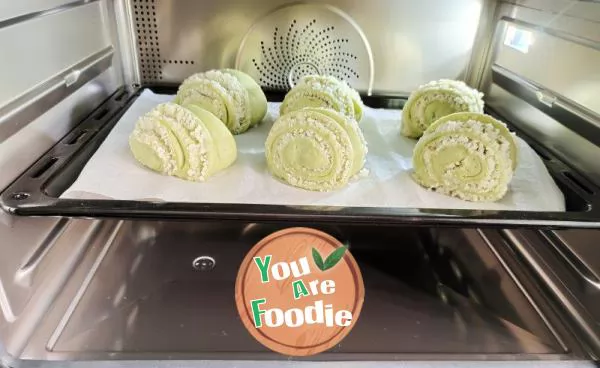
{"x":119,"y":288}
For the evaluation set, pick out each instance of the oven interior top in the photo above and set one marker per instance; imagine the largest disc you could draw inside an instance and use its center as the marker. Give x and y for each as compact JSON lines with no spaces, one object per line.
{"x":384,"y":50}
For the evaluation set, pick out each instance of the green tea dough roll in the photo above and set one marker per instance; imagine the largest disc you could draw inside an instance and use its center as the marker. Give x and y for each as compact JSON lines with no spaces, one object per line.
{"x":470,"y":156}
{"x":231,"y":95}
{"x":315,"y":149}
{"x":154,"y":145}
{"x":221,"y":147}
{"x":187,"y":142}
{"x":435,"y":100}
{"x":323,"y":91}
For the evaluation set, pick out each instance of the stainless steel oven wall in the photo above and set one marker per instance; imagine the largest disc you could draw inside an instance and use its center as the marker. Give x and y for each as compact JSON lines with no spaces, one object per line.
{"x":381,"y":46}
{"x":59,"y":60}
{"x":544,"y":75}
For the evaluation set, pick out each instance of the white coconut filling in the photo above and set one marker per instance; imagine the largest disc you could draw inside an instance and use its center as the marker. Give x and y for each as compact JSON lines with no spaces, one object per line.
{"x":334,"y":87}
{"x":295,"y":98}
{"x":243,"y":115}
{"x":207,"y":92}
{"x":341,"y":87}
{"x":200,"y":150}
{"x":473,"y":97}
{"x":353,"y":125}
{"x":153,"y":141}
{"x":165,"y":151}
{"x":196,"y":139}
{"x":333,"y":93}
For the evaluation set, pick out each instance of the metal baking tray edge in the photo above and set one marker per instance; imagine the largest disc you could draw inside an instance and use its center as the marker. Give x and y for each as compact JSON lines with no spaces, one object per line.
{"x":36,"y":192}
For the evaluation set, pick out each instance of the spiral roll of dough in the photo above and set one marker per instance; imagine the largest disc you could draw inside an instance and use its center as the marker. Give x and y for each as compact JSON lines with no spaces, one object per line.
{"x":315,"y":149}
{"x":231,"y":95}
{"x":435,"y":100}
{"x":188,"y":142}
{"x":466,"y":155}
{"x":324,"y":91}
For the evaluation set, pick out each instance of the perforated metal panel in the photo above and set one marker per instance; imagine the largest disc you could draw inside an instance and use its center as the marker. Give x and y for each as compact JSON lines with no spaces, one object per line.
{"x":290,"y":57}
{"x":379,"y":46}
{"x":304,"y":39}
{"x":148,"y":42}
{"x":146,"y":27}
{"x":320,"y":39}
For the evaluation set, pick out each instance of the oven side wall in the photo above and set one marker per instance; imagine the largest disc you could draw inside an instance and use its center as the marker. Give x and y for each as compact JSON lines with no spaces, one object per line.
{"x":542,"y":74}
{"x":60,"y":60}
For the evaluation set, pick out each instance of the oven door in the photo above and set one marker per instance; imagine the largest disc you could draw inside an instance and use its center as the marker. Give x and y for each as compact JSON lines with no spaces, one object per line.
{"x":139,"y":291}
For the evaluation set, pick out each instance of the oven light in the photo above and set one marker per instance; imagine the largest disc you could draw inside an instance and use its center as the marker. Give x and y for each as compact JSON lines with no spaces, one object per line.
{"x":518,"y":39}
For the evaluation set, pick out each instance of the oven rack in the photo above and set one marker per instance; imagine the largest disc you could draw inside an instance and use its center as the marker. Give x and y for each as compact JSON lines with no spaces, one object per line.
{"x":37,"y":191}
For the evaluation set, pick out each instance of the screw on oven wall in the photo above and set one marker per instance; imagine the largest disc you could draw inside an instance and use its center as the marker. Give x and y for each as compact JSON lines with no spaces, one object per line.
{"x":20,"y":196}
{"x":204,"y":263}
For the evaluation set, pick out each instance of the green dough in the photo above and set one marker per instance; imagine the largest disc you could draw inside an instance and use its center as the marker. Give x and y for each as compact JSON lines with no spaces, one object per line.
{"x":466,"y":155}
{"x":152,"y":153}
{"x":209,"y":95}
{"x":258,"y":100}
{"x":315,"y":149}
{"x":231,"y":95}
{"x":324,"y":91}
{"x":225,"y":150}
{"x":154,"y":145}
{"x":358,"y":104}
{"x":359,"y":144}
{"x":435,"y":100}
{"x":188,"y":142}
{"x":484,"y":119}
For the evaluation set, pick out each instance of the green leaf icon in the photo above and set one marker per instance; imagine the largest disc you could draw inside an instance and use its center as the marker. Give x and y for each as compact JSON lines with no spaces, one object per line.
{"x":317,"y":258}
{"x":334,"y":257}
{"x":331,"y":260}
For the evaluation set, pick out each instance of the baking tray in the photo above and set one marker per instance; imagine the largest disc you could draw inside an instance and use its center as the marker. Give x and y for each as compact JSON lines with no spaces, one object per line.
{"x":37,"y":191}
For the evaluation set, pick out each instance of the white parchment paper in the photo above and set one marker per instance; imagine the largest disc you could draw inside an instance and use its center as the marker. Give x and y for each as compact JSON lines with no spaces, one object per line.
{"x":113,"y":173}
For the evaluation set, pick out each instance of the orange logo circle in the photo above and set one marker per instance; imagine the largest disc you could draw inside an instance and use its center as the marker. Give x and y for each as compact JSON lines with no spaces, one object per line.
{"x":299,"y":292}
